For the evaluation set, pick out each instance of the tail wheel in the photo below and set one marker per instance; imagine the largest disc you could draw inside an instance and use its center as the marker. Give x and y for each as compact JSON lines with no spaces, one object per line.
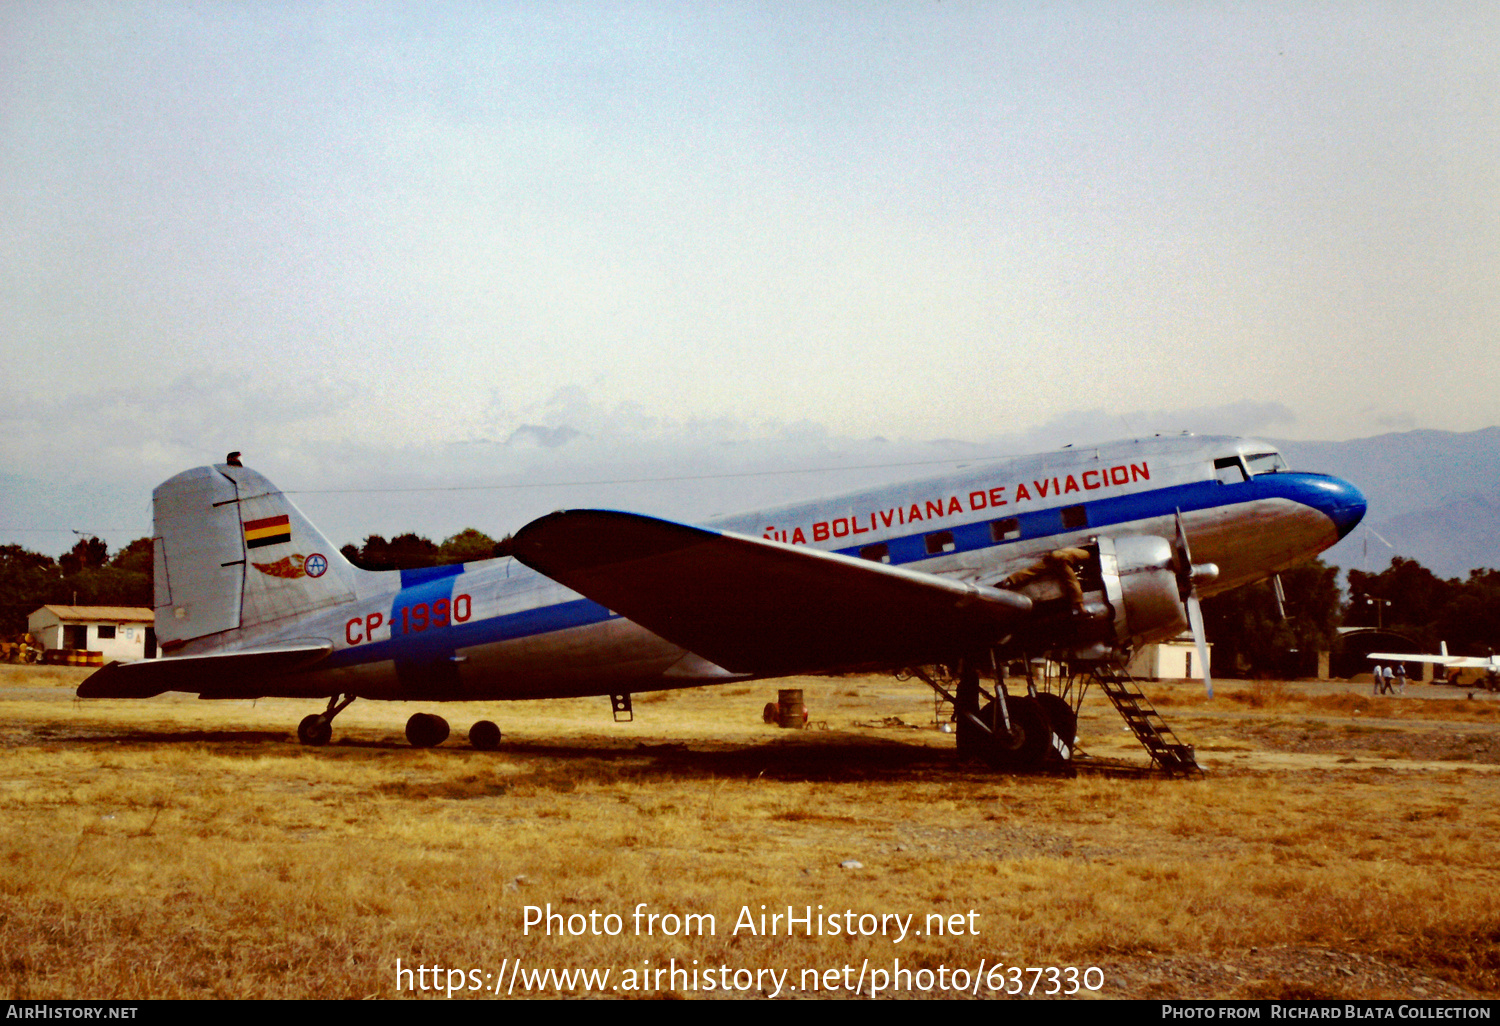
{"x":1030,"y":737}
{"x":314,"y":730}
{"x":484,"y":736}
{"x":424,"y":730}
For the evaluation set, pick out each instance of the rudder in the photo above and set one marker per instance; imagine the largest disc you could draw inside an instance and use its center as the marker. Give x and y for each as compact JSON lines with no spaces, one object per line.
{"x":233,"y":554}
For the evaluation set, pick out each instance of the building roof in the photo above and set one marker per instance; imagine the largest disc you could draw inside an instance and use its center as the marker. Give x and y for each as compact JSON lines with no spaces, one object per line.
{"x":117,"y":614}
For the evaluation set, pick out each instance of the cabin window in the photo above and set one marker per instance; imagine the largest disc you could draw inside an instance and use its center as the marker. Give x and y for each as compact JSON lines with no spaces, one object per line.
{"x":876,"y":553}
{"x":940,"y":542}
{"x":1229,"y":470}
{"x":1005,"y":530}
{"x":1266,"y":463}
{"x":1074,"y":517}
{"x":106,"y":633}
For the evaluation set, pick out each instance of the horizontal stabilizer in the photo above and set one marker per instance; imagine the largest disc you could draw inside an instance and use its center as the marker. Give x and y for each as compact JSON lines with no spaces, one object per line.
{"x":200,"y":673}
{"x":762,"y":607}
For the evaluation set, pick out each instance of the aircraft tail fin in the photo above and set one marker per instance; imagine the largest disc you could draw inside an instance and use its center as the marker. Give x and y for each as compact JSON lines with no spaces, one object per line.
{"x":233,"y":554}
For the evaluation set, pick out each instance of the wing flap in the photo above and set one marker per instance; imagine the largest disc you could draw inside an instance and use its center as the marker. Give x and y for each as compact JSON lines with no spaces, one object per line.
{"x":145,"y":678}
{"x":757,"y":606}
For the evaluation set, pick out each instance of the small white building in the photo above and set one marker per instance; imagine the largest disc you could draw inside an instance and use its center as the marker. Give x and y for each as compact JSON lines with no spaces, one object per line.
{"x":1176,"y":659}
{"x":119,"y":632}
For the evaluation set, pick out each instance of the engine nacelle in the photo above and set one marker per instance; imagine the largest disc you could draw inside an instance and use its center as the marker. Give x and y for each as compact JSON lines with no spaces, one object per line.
{"x":1140,"y":583}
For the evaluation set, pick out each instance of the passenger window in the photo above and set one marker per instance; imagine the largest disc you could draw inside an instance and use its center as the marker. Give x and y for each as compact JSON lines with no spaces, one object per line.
{"x":939,"y":543}
{"x":876,"y":553}
{"x":1229,"y":470}
{"x":1005,"y":530}
{"x":1074,"y":517}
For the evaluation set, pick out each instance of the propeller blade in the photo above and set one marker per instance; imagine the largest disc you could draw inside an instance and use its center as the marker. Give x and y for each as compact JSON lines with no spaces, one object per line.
{"x":1200,"y":638}
{"x":1187,"y":587}
{"x":1184,"y":559}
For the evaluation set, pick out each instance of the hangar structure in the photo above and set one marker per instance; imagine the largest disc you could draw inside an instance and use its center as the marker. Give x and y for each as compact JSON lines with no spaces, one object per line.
{"x":1356,"y":644}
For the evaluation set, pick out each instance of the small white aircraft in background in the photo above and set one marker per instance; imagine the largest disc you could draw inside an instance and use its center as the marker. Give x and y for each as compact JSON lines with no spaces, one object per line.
{"x":1080,"y":555}
{"x":1489,"y":664}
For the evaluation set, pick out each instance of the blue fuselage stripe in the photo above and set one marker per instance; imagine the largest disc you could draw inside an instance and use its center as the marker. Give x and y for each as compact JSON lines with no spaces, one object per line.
{"x":1101,"y":513}
{"x":439,"y":642}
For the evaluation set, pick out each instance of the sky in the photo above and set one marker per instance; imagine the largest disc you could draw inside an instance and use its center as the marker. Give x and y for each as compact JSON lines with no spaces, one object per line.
{"x":690,"y":258}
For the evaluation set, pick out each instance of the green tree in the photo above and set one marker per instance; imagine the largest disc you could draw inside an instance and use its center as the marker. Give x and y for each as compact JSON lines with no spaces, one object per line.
{"x":135,"y":557}
{"x":411,"y":551}
{"x":1250,"y":636}
{"x":1406,"y":597}
{"x":403,"y":552}
{"x":88,"y":554}
{"x":1470,"y":622}
{"x":27,"y":580}
{"x":467,"y":546}
{"x":107,"y":586}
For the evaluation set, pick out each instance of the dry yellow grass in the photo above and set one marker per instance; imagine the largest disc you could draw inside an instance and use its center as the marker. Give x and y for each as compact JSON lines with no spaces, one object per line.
{"x":179,"y":848}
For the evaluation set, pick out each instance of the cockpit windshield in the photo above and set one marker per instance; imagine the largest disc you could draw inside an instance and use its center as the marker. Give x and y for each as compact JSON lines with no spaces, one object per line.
{"x":1266,"y":463}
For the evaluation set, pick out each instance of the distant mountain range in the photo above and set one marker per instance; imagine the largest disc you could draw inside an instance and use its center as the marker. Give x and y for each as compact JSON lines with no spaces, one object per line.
{"x":1434,"y":496}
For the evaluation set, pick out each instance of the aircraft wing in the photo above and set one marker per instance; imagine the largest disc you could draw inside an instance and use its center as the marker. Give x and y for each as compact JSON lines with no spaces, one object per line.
{"x":1456,"y":662}
{"x":758,"y":606}
{"x":1437,"y":660}
{"x":144,"y":678}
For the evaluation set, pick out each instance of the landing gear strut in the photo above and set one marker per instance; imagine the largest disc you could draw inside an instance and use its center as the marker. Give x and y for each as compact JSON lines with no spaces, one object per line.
{"x":1010,"y":732}
{"x":317,"y":729}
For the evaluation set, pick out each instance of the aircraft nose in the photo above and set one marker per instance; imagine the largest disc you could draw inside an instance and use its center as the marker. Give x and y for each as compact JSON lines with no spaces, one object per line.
{"x":1338,"y":500}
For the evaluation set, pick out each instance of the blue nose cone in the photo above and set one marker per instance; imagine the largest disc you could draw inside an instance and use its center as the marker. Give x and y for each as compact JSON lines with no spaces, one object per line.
{"x":1338,"y":500}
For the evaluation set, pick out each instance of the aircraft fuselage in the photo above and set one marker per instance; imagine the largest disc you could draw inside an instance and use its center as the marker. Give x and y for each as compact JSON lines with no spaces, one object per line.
{"x":497,"y":630}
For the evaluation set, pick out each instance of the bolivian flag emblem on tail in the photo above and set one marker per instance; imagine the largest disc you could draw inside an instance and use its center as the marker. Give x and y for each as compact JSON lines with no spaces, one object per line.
{"x":259,"y":533}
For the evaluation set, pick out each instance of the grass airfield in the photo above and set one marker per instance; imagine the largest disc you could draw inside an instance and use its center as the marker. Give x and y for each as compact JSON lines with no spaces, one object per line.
{"x":1339,"y":846}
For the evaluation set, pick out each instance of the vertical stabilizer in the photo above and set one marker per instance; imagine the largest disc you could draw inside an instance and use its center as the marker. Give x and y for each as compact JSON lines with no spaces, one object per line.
{"x":234,"y":554}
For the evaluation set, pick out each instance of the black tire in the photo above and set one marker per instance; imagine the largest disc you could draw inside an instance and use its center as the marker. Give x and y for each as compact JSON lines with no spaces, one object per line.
{"x":1061,"y":716}
{"x":1030,"y":739}
{"x":314,"y":730}
{"x":424,"y":730}
{"x":484,"y":736}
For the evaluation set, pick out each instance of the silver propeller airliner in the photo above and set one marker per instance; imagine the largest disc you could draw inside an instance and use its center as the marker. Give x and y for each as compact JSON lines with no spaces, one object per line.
{"x":1081,"y":554}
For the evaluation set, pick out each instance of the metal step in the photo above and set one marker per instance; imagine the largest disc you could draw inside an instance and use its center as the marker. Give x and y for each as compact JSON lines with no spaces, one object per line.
{"x":1146,"y":723}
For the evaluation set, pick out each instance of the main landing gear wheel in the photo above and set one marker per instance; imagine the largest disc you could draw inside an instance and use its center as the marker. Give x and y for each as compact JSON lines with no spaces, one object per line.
{"x":314,"y":730}
{"x":484,"y":736}
{"x":1061,"y":716}
{"x":1030,"y":737}
{"x":424,"y":730}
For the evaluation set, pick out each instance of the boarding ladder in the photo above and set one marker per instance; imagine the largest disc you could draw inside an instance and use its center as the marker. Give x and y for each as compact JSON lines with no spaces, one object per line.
{"x":1149,"y":728}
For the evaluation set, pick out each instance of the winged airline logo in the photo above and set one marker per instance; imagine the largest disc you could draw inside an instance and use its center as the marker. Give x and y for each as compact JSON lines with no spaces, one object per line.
{"x":291,"y":567}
